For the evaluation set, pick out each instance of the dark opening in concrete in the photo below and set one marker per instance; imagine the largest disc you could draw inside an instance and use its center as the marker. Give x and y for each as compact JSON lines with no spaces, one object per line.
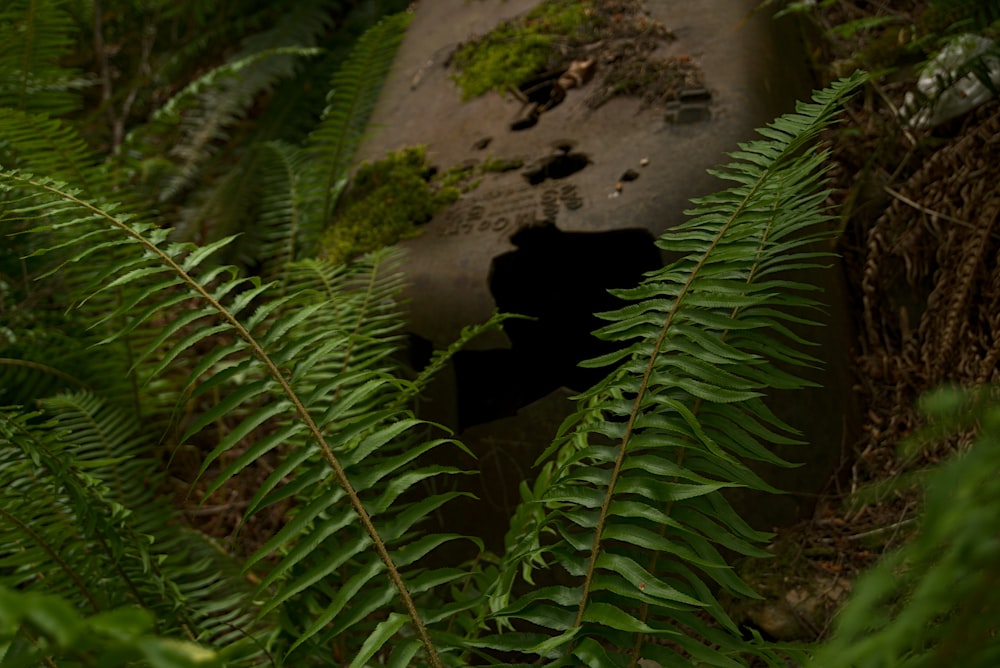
{"x":556,"y":167}
{"x":560,"y":279}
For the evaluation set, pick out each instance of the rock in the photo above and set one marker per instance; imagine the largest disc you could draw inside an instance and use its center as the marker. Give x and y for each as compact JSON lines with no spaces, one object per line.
{"x":575,"y":153}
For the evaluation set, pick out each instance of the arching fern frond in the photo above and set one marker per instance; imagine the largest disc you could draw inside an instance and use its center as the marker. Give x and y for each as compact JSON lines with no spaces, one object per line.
{"x":207,"y":108}
{"x":354,"y":90}
{"x":631,"y":506}
{"x":34,"y":36}
{"x":46,"y":146}
{"x":268,"y":362}
{"x":204,"y":112}
{"x":345,"y":321}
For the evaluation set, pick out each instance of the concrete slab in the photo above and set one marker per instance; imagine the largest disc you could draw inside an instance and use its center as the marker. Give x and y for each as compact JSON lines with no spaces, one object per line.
{"x":749,"y":81}
{"x":530,"y":240}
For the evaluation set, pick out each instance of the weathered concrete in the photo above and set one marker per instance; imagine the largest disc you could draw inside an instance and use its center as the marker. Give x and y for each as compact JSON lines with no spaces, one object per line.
{"x":575,"y":160}
{"x":450,"y":263}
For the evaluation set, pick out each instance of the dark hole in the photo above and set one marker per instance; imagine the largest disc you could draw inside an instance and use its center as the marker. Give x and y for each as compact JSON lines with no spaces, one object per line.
{"x":560,"y":279}
{"x":420,"y":352}
{"x":539,"y":89}
{"x":556,"y":167}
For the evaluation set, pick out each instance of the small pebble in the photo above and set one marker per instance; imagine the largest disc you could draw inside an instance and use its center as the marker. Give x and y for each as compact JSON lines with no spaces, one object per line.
{"x":644,"y":162}
{"x":629,"y":175}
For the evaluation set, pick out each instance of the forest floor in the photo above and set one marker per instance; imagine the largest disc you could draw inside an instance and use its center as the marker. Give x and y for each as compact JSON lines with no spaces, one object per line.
{"x":918,"y":210}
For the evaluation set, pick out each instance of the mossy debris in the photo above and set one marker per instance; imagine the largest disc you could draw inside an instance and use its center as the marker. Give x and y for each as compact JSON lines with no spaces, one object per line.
{"x":618,"y":36}
{"x":524,"y":47}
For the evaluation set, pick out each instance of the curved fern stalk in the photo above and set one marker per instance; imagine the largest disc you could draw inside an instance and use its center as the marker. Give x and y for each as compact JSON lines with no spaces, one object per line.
{"x":634,"y":496}
{"x":379,"y":445}
{"x":354,"y":90}
{"x":218,"y":311}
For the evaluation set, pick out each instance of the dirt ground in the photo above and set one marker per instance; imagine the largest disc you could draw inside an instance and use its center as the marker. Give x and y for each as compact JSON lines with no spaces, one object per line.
{"x":919,"y":211}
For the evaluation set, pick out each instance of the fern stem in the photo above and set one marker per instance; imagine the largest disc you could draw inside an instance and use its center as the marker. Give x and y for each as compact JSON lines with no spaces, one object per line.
{"x":640,"y":394}
{"x":636,"y":653}
{"x":47,"y":660}
{"x":290,"y":394}
{"x":45,"y":368}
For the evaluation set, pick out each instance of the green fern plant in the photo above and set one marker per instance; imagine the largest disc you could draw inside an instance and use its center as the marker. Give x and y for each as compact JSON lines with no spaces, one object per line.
{"x":629,"y":505}
{"x":130,"y":304}
{"x":79,"y":521}
{"x":637,"y":525}
{"x":38,"y":35}
{"x":626,"y":515}
{"x":302,"y":380}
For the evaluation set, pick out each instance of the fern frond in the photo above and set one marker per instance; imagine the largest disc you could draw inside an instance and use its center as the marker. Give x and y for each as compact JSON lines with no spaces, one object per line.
{"x":633,"y":498}
{"x":205,"y":111}
{"x":46,"y":146}
{"x":277,"y":235}
{"x":346,"y":322}
{"x":18,"y":373}
{"x":220,"y":98}
{"x":79,"y":508}
{"x":39,"y":628}
{"x":931,"y":602}
{"x":79,"y":341}
{"x":267,"y":373}
{"x":34,"y":36}
{"x":354,"y":90}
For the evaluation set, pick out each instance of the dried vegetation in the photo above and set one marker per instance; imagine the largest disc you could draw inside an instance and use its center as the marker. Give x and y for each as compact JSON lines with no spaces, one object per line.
{"x":921,"y":248}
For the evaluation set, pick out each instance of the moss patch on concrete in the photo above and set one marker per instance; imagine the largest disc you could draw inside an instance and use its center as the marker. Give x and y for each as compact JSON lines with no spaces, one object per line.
{"x":519,"y":49}
{"x":391,"y":198}
{"x":388,"y":200}
{"x":619,"y":35}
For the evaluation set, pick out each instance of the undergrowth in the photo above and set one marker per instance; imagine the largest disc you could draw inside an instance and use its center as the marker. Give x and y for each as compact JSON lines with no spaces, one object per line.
{"x":616,"y":553}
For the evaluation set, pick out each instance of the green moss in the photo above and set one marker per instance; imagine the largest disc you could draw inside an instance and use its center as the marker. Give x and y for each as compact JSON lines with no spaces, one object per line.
{"x":387,"y":201}
{"x":390,"y":199}
{"x":461,"y":179}
{"x":517,"y":50}
{"x":498,"y":165}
